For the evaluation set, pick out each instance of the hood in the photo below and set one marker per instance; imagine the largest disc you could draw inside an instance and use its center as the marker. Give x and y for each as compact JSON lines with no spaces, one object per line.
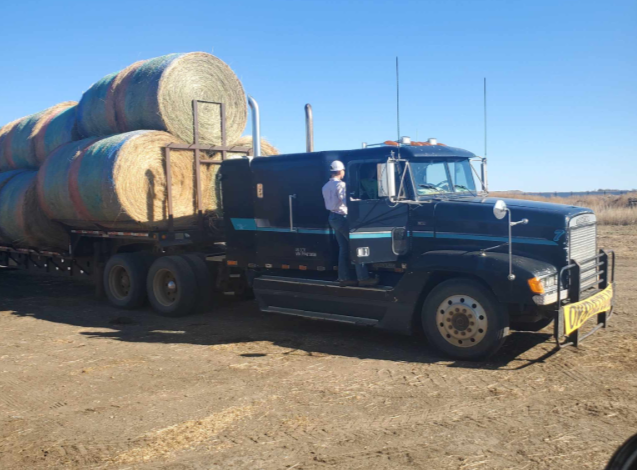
{"x":563,"y":209}
{"x":474,"y":218}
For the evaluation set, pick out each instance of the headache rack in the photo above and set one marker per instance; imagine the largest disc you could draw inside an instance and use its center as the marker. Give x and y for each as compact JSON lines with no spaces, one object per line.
{"x":586,"y":278}
{"x":198,"y":161}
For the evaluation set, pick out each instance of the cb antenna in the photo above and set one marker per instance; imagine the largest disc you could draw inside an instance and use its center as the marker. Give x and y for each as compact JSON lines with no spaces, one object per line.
{"x":397,"y":100}
{"x":485,"y":117}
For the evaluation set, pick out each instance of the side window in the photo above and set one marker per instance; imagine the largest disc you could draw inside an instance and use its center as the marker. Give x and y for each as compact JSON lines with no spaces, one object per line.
{"x":363,"y":181}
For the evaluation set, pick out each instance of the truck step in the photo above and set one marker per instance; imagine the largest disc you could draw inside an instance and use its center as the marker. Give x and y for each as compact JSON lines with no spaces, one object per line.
{"x":322,"y":316}
{"x":318,"y":282}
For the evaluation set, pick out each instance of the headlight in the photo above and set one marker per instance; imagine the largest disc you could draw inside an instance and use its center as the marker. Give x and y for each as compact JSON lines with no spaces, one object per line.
{"x":541,"y":285}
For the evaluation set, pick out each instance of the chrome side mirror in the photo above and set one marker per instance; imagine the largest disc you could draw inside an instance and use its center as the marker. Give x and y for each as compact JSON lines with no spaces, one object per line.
{"x":500,"y":209}
{"x":391,"y":179}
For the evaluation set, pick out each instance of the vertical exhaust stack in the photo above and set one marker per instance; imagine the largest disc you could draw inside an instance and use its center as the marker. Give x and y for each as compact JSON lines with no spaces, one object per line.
{"x":256,"y":126}
{"x":309,"y":129}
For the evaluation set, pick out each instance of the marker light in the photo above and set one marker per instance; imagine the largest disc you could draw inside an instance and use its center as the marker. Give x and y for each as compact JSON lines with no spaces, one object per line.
{"x":536,"y":285}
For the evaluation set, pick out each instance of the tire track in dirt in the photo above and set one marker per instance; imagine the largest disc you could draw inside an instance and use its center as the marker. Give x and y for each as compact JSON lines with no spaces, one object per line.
{"x":18,"y":395}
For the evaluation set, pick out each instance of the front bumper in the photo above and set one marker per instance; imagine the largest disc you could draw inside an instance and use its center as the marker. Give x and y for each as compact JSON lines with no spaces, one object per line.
{"x":584,"y":305}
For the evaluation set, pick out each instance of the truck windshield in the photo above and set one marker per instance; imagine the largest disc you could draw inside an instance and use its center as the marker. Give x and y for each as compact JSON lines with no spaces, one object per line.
{"x":442,"y":176}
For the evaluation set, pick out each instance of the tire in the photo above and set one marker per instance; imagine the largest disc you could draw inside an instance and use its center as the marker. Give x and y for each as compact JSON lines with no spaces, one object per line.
{"x":204,"y":281}
{"x":125,"y":280}
{"x":528,"y":326}
{"x":172,"y":286}
{"x":625,"y":458}
{"x":464,"y":320}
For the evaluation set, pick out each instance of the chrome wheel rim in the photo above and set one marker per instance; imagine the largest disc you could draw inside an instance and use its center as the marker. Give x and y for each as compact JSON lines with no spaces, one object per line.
{"x":119,"y":282}
{"x":462,"y":321}
{"x":165,"y":287}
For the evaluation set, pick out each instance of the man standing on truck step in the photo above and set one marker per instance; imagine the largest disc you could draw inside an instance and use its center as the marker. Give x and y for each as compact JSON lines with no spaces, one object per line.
{"x":335,"y":194}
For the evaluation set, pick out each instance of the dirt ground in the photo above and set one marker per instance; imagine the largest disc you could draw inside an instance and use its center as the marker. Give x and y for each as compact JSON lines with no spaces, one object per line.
{"x":83,"y":385}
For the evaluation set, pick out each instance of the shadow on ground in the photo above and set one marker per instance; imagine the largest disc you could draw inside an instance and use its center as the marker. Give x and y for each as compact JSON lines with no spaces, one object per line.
{"x":62,"y":300}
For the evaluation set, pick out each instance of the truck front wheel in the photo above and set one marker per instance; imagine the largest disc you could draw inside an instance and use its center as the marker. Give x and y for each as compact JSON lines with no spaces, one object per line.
{"x":125,"y":280}
{"x":172,"y":286}
{"x":464,"y":320}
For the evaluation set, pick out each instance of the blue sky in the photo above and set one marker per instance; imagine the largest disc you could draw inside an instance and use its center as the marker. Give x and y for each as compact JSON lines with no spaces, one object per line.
{"x":562,"y":75}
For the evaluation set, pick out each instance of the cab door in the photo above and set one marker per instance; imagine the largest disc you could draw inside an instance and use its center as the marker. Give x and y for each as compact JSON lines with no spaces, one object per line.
{"x":378,"y":228}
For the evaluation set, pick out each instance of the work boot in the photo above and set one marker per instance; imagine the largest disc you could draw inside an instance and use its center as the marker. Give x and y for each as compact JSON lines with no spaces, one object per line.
{"x":371,"y":282}
{"x":347,"y":282}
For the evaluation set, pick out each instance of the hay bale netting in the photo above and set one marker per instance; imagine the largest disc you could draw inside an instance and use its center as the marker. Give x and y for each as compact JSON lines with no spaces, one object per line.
{"x":157,"y":94}
{"x":120,"y":182}
{"x":96,"y":111}
{"x":23,"y":144}
{"x":267,"y":149}
{"x":5,"y":145}
{"x":53,"y":187}
{"x":60,"y":129}
{"x":22,"y":222}
{"x":5,"y":176}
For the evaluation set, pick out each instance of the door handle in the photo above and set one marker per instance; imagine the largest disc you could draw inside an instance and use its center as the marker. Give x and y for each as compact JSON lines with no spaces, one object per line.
{"x":290,"y":198}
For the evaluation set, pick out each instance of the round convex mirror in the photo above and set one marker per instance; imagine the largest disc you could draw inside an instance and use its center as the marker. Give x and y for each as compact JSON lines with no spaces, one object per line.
{"x":500,"y":209}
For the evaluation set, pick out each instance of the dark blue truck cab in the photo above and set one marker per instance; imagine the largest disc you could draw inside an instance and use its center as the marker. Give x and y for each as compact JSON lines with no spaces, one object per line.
{"x":450,"y":262}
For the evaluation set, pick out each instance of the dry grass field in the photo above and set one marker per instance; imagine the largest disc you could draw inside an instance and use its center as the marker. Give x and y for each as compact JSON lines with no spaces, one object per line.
{"x":610,"y":210}
{"x":86,"y":386}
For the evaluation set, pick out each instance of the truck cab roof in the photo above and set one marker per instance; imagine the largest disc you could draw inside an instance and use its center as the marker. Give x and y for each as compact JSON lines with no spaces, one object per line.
{"x":376,"y":152}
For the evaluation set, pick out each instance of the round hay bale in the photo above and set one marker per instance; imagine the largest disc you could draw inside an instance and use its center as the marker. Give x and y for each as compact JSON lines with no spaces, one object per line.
{"x":157,"y":94}
{"x":120,"y":181}
{"x":95,"y":111}
{"x":98,"y":107}
{"x":6,"y":163}
{"x":60,"y":129}
{"x":5,"y":176}
{"x":53,"y":182}
{"x":22,"y":222}
{"x":120,"y":85}
{"x":23,"y":145}
{"x":267,"y":149}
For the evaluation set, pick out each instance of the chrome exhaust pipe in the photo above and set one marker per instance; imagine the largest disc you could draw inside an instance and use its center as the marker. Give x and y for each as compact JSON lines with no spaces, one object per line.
{"x":256,"y":127}
{"x":309,"y":129}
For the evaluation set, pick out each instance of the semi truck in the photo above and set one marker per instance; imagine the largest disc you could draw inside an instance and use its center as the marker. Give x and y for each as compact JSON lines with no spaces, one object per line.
{"x":454,"y":265}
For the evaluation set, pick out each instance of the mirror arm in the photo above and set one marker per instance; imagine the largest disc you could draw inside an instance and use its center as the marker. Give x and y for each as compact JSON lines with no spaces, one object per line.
{"x":511,"y":276}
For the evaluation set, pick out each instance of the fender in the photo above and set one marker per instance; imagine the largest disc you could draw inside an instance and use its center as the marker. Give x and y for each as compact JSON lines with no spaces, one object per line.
{"x":491,"y":267}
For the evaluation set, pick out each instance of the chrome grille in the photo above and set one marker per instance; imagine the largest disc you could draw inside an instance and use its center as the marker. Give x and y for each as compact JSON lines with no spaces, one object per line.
{"x":582,"y":245}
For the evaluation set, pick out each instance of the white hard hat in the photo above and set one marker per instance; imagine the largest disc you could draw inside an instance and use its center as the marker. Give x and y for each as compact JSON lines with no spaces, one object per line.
{"x":337,"y":165}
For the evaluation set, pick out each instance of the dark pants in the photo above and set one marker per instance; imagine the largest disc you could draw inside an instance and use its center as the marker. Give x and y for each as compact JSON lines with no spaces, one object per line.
{"x":340,"y":226}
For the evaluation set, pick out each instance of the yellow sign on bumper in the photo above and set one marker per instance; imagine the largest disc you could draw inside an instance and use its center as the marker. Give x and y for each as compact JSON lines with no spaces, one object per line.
{"x":576,"y":314}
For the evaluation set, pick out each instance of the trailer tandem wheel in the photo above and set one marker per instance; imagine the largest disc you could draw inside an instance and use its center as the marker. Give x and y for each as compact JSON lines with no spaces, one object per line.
{"x":463,"y":319}
{"x":172,"y":286}
{"x":125,"y":280}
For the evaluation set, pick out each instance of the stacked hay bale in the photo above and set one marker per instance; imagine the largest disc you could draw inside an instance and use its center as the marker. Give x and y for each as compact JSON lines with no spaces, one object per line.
{"x":157,"y":94}
{"x":267,"y":149}
{"x":24,"y":143}
{"x":22,"y":221}
{"x":120,"y":181}
{"x":102,"y":159}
